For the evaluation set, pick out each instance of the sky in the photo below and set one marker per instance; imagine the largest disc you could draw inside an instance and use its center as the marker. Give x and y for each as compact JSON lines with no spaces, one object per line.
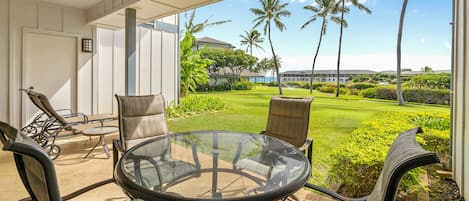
{"x":368,"y":43}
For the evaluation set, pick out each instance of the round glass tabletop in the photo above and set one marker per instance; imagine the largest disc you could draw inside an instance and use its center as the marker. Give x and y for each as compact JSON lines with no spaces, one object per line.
{"x":212,"y":165}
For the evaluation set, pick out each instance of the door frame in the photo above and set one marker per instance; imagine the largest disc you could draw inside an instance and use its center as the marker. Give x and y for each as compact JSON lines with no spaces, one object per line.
{"x":24,"y":69}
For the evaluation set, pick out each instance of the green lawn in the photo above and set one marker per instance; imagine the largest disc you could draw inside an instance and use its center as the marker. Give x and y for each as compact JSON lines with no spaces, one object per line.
{"x":332,"y":119}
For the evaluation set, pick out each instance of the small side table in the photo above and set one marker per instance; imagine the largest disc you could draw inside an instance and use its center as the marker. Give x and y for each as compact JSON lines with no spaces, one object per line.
{"x":101,"y":132}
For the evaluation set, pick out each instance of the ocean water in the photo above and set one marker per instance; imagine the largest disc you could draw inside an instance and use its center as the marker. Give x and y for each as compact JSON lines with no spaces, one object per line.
{"x":262,"y":79}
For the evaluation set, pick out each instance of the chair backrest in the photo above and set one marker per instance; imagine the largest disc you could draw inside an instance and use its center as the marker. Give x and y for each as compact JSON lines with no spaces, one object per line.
{"x":141,"y":118}
{"x":34,"y":166}
{"x":48,"y":109}
{"x":33,"y":96}
{"x":404,"y":154}
{"x":289,"y":119}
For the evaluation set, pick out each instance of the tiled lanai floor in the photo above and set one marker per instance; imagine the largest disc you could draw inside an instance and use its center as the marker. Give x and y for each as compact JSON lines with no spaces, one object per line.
{"x":74,"y":172}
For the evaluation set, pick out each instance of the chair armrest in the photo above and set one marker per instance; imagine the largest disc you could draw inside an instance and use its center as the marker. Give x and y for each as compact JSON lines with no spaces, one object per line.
{"x":137,"y":159}
{"x":116,"y":148}
{"x":332,"y":193}
{"x":194,"y":151}
{"x":67,"y":110}
{"x":306,"y":144}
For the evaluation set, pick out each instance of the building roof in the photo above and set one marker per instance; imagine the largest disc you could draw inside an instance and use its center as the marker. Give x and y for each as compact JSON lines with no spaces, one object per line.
{"x":214,"y":41}
{"x":300,"y":72}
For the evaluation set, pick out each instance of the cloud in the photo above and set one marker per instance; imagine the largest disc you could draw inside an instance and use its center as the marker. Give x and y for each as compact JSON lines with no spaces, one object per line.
{"x":447,"y":45}
{"x":422,"y":40}
{"x":377,"y":62}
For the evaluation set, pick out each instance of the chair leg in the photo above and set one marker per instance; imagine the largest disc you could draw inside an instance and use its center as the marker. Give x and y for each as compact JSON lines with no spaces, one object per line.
{"x":310,"y":154}
{"x":87,"y":188}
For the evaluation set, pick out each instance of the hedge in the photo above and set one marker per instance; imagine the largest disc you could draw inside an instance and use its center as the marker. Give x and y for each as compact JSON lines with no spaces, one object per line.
{"x":361,"y":85}
{"x":243,"y":85}
{"x":430,"y":96}
{"x":357,"y":163}
{"x":387,"y":93}
{"x":195,"y":104}
{"x":368,"y":93}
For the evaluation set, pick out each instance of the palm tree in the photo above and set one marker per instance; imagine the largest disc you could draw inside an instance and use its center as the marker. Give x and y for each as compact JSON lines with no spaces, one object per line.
{"x":360,"y":6}
{"x":250,"y":39}
{"x":426,"y":69}
{"x":191,"y":27}
{"x":323,"y":9}
{"x":271,"y":12}
{"x":400,"y":98}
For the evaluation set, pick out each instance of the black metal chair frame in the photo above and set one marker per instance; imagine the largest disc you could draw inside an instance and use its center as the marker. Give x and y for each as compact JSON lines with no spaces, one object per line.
{"x":21,"y":145}
{"x":45,"y":127}
{"x":397,"y":173}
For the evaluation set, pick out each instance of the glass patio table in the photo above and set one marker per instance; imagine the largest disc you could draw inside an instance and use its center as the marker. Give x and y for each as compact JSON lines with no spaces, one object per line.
{"x":212,"y":165}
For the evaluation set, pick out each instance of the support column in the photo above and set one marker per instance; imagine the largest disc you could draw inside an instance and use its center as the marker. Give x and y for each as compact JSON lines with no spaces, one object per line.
{"x":130,"y":52}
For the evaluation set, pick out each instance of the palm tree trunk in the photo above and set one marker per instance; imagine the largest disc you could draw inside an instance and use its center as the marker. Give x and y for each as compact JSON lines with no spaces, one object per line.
{"x":316,"y":56}
{"x":400,"y":98}
{"x":275,"y":63}
{"x":250,"y":47}
{"x":340,"y":49}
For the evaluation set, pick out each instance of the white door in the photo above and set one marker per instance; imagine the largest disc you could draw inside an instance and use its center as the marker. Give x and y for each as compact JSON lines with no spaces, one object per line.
{"x":50,"y":66}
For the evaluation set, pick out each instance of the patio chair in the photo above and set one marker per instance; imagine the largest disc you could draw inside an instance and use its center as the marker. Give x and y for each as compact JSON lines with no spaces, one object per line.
{"x":404,"y":155}
{"x":288,"y":120}
{"x":36,"y":169}
{"x":142,"y":118}
{"x":46,"y":130}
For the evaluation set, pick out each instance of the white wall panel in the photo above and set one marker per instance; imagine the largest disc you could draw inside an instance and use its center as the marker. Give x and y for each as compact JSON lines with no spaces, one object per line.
{"x":119,"y":65}
{"x":105,"y":70}
{"x":4,"y":56}
{"x":169,"y":66}
{"x":145,"y":61}
{"x":49,"y":17}
{"x":156,"y":61}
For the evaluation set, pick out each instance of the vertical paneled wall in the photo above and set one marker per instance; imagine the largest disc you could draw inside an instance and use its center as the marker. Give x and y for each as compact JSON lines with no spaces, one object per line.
{"x":16,"y":16}
{"x":157,"y":64}
{"x":461,"y":97}
{"x":4,"y":57}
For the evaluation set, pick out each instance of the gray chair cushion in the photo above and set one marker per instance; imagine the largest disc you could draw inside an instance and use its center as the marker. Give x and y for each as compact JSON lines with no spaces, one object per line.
{"x":141,"y":117}
{"x":404,"y":154}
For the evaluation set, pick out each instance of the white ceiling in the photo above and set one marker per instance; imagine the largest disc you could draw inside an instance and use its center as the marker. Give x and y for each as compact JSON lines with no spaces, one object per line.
{"x":82,"y":4}
{"x":147,"y":10}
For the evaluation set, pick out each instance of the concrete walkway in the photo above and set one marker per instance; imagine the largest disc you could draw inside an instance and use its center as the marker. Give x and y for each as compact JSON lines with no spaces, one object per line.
{"x":74,"y":172}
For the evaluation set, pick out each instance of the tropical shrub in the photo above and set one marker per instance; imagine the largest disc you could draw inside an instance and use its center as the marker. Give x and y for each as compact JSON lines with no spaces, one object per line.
{"x":357,"y":163}
{"x":243,"y":85}
{"x":387,"y":93}
{"x":326,"y":89}
{"x":431,"y":96}
{"x":343,"y":91}
{"x":355,"y":92}
{"x":193,"y":67}
{"x":304,"y":85}
{"x":222,"y":87}
{"x":368,"y":93}
{"x":361,"y":85}
{"x":195,"y":104}
{"x":274,"y":84}
{"x":430,"y":81}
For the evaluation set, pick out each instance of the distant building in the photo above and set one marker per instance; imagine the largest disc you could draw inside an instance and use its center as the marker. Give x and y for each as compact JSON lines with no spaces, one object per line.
{"x":345,"y":75}
{"x":212,"y":43}
{"x":322,"y":75}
